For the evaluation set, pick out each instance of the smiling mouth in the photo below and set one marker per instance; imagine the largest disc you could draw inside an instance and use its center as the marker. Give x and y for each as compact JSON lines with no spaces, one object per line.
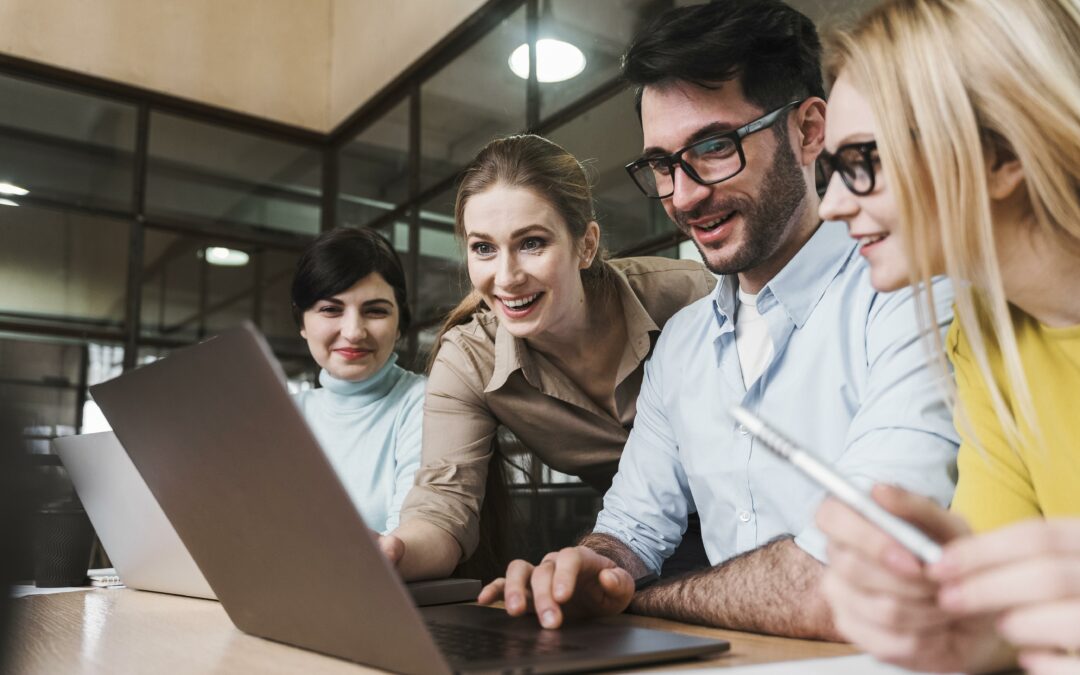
{"x":520,"y":303}
{"x":868,"y":239}
{"x":523,"y":302}
{"x":713,"y":224}
{"x":352,"y":353}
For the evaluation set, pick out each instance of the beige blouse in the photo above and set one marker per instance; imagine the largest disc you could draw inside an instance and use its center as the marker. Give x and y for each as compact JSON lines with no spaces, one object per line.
{"x":484,"y":377}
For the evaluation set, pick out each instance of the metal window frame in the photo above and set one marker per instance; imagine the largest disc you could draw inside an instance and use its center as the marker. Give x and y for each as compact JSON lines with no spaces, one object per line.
{"x":404,"y":88}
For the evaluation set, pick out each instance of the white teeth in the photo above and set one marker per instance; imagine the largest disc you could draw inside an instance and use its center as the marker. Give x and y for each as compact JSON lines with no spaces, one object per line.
{"x":717,"y":222}
{"x":871,"y":239}
{"x":520,"y":302}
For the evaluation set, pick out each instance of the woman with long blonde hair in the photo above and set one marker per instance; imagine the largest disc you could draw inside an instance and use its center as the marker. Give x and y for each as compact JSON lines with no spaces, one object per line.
{"x":953,"y":147}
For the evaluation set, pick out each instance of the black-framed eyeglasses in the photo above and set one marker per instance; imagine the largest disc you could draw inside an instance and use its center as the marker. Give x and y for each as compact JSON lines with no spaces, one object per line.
{"x":711,"y":160}
{"x":854,"y":161}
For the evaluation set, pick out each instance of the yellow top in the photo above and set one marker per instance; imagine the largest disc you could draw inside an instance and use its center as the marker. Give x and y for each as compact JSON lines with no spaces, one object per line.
{"x":1004,"y":484}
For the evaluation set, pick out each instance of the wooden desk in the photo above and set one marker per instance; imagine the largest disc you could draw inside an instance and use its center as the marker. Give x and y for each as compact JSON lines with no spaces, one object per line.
{"x":127,"y":631}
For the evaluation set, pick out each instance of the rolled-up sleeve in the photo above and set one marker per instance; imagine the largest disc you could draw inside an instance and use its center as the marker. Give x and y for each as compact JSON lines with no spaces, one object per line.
{"x":902,"y":433}
{"x":457,"y":446}
{"x":647,"y":505}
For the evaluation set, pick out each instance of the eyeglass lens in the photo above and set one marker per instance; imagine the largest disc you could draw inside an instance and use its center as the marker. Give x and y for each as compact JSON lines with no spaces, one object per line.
{"x":854,"y":166}
{"x":712,"y":160}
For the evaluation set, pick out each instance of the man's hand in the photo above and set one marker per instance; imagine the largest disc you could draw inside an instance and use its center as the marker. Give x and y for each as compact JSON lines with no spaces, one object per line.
{"x":1028,"y":573}
{"x":575,"y":582}
{"x":391,"y":547}
{"x":885,"y":601}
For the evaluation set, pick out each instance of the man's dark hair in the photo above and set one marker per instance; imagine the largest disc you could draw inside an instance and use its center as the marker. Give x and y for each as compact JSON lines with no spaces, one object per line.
{"x":337,"y":259}
{"x":770,"y":47}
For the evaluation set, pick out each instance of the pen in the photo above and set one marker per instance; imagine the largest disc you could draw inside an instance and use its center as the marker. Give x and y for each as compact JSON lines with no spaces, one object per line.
{"x":836,"y":485}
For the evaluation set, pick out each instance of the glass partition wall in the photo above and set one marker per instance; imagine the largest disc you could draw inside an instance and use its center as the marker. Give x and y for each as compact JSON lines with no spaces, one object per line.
{"x":132,"y":223}
{"x":117,"y":210}
{"x":399,"y":157}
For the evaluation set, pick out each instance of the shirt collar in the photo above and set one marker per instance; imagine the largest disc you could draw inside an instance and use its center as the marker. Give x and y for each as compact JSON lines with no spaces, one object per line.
{"x":802,"y":282}
{"x":512,"y":353}
{"x":640,"y":326}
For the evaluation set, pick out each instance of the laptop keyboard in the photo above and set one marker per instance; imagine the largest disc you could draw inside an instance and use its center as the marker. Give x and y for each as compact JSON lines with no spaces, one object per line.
{"x":467,"y":643}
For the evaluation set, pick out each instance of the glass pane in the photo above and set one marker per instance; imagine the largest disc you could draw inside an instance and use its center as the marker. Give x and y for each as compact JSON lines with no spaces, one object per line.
{"x":601,"y":30}
{"x":301,"y":372}
{"x":605,"y":139}
{"x":105,"y":361}
{"x":472,"y":100}
{"x":145,"y":355}
{"x":275,"y":316}
{"x":66,"y":146}
{"x":444,"y":280}
{"x":41,"y":381}
{"x":374,"y":169}
{"x":213,"y":173}
{"x":62,"y":266}
{"x":184,"y":296}
{"x":275,"y":319}
{"x":425,"y":340}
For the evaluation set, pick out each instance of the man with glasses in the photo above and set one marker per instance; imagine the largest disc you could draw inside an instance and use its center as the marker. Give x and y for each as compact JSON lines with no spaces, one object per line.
{"x":732,"y":113}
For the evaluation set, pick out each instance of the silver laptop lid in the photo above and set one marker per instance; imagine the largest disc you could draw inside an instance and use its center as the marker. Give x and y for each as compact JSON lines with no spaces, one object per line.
{"x":135,"y":532}
{"x":288,"y":555}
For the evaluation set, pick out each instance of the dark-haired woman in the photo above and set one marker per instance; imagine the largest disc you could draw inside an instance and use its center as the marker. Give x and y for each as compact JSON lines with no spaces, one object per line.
{"x":349,"y":300}
{"x":551,"y":344}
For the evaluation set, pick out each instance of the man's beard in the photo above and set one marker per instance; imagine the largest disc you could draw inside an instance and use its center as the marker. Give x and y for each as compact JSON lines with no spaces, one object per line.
{"x":765,"y":222}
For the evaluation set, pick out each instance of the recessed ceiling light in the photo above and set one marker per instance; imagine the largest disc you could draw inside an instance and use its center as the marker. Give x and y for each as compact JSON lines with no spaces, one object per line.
{"x":226,"y":257}
{"x":9,"y":189}
{"x":557,"y":61}
{"x":7,"y":202}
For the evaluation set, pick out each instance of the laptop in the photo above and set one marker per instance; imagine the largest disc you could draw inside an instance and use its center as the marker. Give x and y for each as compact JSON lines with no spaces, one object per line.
{"x":142,"y":544}
{"x":226,"y":452}
{"x":138,"y":538}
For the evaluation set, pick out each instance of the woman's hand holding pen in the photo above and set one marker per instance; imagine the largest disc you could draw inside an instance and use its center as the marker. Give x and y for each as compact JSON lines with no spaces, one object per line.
{"x":1028,"y":576}
{"x":886,"y":601}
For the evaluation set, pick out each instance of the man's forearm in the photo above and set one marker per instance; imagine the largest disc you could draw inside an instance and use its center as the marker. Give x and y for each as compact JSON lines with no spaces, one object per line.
{"x":615,"y":550}
{"x":773,"y":589}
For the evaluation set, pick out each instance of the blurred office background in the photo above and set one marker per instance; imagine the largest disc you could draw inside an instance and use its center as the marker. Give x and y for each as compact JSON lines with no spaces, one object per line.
{"x":163,"y":164}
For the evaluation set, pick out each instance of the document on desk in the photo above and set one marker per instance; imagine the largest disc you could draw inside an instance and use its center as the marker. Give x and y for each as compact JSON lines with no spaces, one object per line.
{"x":862,"y":664}
{"x":26,"y":590}
{"x":104,"y":577}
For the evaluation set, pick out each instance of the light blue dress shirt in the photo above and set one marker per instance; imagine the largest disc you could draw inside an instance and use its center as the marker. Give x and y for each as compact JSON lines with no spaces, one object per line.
{"x":371,"y":433}
{"x":851,"y":379}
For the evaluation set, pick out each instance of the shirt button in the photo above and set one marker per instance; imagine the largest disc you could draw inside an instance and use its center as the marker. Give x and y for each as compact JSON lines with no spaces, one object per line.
{"x":744,"y":516}
{"x":742,"y":430}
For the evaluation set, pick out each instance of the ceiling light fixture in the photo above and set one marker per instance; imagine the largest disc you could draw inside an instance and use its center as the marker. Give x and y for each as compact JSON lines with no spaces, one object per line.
{"x":226,"y":257}
{"x":8,"y":202}
{"x":10,"y":189}
{"x":557,"y":60}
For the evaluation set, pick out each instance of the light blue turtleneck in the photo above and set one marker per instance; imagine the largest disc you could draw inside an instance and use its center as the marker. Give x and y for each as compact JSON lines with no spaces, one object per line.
{"x":371,"y":432}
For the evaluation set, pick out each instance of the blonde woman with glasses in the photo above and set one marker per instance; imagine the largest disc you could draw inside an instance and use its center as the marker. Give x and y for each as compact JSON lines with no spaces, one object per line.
{"x":953,"y":147}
